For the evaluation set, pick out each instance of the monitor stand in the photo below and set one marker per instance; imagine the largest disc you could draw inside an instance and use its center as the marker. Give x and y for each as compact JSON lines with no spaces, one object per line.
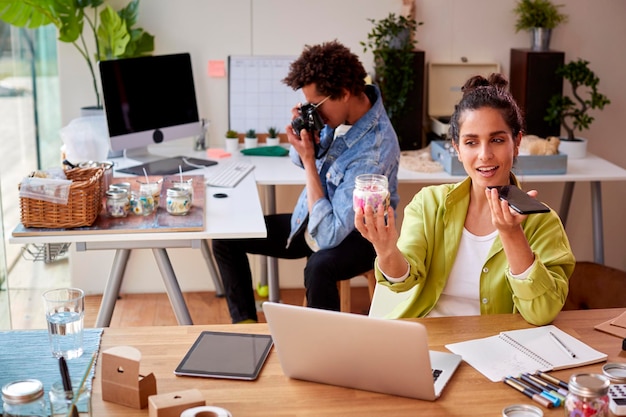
{"x":141,"y":154}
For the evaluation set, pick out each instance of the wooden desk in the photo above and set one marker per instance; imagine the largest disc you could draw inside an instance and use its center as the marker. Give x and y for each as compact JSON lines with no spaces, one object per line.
{"x":468,"y":393}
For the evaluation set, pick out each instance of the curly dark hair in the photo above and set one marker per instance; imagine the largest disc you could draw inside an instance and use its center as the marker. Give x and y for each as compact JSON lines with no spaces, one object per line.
{"x":480,"y":92}
{"x":331,"y":66}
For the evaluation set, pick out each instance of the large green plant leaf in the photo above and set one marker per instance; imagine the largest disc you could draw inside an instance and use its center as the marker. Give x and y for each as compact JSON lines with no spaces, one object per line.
{"x":28,"y":13}
{"x":112,"y":34}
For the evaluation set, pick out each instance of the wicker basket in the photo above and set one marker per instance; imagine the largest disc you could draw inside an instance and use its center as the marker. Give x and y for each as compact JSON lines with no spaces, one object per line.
{"x":83,"y":205}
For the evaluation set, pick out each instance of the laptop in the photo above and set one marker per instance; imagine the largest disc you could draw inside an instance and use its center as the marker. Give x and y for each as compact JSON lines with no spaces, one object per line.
{"x":357,"y":351}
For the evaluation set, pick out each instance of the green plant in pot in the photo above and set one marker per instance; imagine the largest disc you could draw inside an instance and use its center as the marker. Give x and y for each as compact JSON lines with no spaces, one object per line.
{"x":272,"y":136}
{"x":232,"y":134}
{"x":113,"y":32}
{"x":572,"y":114}
{"x":538,"y":17}
{"x":392,"y":44}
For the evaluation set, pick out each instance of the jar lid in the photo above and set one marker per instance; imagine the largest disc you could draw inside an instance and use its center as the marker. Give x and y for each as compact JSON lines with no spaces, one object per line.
{"x":589,"y":385}
{"x":22,"y":391}
{"x":522,"y":410}
{"x":615,"y":371}
{"x":116,"y":193}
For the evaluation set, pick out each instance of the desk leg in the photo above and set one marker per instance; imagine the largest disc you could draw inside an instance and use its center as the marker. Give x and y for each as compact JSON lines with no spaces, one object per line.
{"x":171,"y":285}
{"x":598,"y":232}
{"x":269,"y":265}
{"x":210,"y":263}
{"x":565,"y":201}
{"x":112,"y":288}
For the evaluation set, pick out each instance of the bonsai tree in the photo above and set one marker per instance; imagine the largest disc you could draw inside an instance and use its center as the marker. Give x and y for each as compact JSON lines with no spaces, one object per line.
{"x":392,"y":44}
{"x":113,"y":32}
{"x":538,"y":14}
{"x":572,"y":114}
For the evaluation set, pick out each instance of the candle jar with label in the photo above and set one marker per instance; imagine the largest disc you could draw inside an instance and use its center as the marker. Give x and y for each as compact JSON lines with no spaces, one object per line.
{"x":370,"y":190}
{"x":178,"y":201}
{"x":186,"y":185}
{"x":142,"y":203}
{"x":117,"y":202}
{"x":153,"y":188}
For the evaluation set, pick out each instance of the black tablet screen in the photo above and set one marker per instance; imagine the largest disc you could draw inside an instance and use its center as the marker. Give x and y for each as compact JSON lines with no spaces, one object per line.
{"x":226,"y":355}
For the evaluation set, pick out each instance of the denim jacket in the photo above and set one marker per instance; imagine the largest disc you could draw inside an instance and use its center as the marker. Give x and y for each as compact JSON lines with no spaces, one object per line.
{"x":370,"y":146}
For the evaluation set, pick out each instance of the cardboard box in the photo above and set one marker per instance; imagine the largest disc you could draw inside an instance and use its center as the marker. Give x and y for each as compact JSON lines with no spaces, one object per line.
{"x":525,"y":165}
{"x":174,"y":403}
{"x":444,"y":89}
{"x":121,"y":381}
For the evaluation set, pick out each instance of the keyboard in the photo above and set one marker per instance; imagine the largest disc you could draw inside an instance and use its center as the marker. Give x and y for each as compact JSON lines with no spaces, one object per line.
{"x":227,"y":173}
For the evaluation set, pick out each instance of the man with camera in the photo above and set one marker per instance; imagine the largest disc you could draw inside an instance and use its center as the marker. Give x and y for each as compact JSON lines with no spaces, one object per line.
{"x":341,"y":132}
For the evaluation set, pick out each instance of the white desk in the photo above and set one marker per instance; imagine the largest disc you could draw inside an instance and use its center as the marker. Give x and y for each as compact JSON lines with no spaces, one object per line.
{"x":237,"y":216}
{"x":270,"y":172}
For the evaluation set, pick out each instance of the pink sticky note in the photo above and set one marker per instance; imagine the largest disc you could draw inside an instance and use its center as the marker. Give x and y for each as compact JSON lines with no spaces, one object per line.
{"x":217,"y":68}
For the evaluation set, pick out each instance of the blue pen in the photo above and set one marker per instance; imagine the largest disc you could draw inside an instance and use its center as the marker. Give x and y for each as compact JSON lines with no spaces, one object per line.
{"x":550,"y":395}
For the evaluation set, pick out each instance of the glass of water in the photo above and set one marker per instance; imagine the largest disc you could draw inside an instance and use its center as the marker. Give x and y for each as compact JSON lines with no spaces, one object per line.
{"x":65,"y":312}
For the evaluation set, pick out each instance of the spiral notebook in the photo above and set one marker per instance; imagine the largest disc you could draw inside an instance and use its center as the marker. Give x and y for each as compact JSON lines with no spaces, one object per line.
{"x":544,"y":348}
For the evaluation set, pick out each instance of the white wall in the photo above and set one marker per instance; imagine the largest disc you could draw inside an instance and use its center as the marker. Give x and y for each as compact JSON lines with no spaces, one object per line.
{"x":480,"y":30}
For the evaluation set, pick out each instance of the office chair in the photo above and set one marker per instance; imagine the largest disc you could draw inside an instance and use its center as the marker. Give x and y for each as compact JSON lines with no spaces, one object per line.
{"x":594,"y":285}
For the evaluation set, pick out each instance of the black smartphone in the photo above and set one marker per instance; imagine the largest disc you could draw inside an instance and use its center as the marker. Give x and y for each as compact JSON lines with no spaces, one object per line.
{"x":520,"y":201}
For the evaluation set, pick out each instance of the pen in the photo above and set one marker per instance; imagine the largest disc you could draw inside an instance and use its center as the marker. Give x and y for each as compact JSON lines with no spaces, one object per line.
{"x":553,"y":379}
{"x":562,"y":345}
{"x":553,"y":396}
{"x":527,"y":392}
{"x":545,"y":384}
{"x":67,"y":386}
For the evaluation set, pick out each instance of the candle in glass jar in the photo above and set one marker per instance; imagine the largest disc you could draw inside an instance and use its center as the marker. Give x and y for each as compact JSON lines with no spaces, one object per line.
{"x":372,"y":190}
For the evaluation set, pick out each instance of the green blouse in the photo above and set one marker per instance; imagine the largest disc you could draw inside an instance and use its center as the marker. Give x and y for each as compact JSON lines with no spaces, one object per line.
{"x":429,"y":239}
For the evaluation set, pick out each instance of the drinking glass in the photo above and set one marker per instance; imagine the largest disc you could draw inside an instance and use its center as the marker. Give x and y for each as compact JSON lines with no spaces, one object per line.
{"x":65,"y":312}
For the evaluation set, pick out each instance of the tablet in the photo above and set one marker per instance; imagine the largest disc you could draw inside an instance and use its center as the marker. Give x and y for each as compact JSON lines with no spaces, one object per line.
{"x":226,"y":355}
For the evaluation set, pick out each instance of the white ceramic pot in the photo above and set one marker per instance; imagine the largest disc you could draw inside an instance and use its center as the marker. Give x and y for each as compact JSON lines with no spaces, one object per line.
{"x":231,"y":145}
{"x":272,"y":141}
{"x":576,"y":149}
{"x":249,"y":143}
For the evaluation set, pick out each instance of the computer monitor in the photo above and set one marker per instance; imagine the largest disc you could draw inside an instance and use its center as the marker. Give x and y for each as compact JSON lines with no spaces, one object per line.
{"x":149,"y":100}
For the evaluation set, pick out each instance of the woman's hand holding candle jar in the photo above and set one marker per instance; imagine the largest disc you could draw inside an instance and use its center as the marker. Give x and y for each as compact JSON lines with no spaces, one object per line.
{"x":371,"y":190}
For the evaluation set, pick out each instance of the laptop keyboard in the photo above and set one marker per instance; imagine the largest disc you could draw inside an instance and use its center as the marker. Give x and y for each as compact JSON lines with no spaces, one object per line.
{"x":436,"y":373}
{"x":228,"y":173}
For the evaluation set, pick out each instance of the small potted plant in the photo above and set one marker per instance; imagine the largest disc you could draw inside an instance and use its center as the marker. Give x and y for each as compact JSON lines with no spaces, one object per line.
{"x":250,"y":140}
{"x":573,"y":114}
{"x":272,"y":136}
{"x":231,"y":141}
{"x":538,"y":17}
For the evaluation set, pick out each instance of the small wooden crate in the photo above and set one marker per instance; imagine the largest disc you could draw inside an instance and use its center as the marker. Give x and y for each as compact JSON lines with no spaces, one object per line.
{"x":83,"y":205}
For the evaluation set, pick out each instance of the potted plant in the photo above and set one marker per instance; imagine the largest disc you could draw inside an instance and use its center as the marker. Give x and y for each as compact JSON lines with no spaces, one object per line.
{"x":231,"y":141}
{"x":113,"y":32}
{"x":538,"y":17}
{"x":250,"y":140}
{"x":393,"y":46}
{"x":272,"y":136}
{"x":573,"y":114}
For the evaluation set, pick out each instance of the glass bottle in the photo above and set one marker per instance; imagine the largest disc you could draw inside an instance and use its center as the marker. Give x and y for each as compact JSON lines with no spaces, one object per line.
{"x":178,"y":201}
{"x":61,"y":401}
{"x":588,"y":396}
{"x":371,"y":190}
{"x":24,"y":399}
{"x":117,"y":203}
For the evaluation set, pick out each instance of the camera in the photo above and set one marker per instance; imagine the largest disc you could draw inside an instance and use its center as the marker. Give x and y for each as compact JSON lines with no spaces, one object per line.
{"x":309,"y":119}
